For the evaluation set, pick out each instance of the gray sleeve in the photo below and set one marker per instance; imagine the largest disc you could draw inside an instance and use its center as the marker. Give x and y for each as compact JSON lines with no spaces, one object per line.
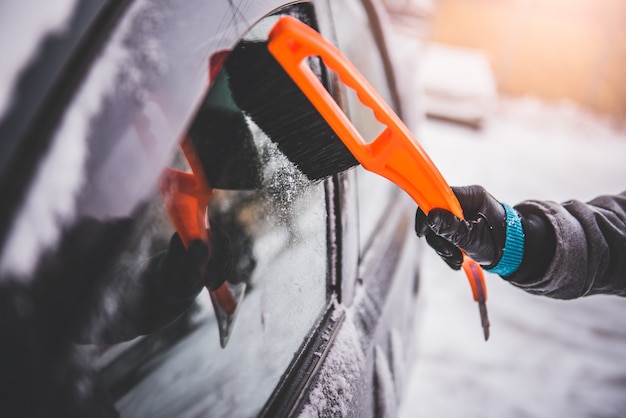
{"x":590,"y":256}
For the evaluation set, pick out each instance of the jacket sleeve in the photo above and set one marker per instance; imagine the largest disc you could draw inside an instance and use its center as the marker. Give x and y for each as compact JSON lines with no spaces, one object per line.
{"x":590,"y":255}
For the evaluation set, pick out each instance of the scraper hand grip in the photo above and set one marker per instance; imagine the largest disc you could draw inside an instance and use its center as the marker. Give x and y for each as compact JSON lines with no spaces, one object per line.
{"x":394,"y":154}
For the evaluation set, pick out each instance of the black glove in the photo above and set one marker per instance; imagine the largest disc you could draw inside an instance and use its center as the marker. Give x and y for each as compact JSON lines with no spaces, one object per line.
{"x":183,"y":269}
{"x":219,"y":266}
{"x":481,"y":234}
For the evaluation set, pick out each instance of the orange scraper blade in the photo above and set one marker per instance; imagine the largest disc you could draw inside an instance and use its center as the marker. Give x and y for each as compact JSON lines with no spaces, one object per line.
{"x":187,"y":196}
{"x":394,"y":154}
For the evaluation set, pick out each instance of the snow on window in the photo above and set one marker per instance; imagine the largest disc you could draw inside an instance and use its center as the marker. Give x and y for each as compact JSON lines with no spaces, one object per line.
{"x":338,"y":379}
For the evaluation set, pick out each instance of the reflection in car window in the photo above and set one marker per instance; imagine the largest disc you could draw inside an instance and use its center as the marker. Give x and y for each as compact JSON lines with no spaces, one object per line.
{"x":189,"y":270}
{"x":30,"y":69}
{"x":355,"y":39}
{"x":265,"y":225}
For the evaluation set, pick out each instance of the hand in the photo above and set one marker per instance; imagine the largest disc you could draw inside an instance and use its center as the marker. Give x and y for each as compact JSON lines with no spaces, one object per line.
{"x":219,"y":266}
{"x":481,"y":234}
{"x":183,"y":269}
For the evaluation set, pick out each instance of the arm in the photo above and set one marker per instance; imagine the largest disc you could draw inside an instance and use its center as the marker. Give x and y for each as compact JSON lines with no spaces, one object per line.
{"x":590,"y":248}
{"x":569,"y":250}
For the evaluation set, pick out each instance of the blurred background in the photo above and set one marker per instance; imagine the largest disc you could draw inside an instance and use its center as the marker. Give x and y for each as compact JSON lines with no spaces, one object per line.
{"x":556,"y":50}
{"x":527,"y":98}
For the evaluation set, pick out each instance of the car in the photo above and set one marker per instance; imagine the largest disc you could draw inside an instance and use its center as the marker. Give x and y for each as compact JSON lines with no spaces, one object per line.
{"x":159,"y":256}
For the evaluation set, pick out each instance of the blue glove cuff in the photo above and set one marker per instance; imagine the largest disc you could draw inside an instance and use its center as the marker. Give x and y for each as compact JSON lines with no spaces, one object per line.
{"x":513,"y":244}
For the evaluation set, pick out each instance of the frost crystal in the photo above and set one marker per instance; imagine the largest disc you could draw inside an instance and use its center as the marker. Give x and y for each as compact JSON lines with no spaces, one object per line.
{"x":339,"y":377}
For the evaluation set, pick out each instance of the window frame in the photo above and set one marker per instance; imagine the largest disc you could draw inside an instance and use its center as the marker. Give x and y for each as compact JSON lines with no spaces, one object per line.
{"x":347,"y":264}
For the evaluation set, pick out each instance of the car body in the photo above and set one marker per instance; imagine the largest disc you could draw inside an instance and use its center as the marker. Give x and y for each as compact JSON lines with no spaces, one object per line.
{"x":328,"y":272}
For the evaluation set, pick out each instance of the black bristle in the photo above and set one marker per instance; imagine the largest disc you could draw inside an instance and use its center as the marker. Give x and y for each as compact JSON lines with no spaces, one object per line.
{"x":224,"y":143}
{"x":263,"y":90}
{"x":226,"y":149}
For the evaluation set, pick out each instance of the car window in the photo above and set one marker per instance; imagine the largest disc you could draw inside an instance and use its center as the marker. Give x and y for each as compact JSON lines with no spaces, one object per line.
{"x":47,"y":40}
{"x":356,"y":40}
{"x":142,"y":218}
{"x":267,"y":226}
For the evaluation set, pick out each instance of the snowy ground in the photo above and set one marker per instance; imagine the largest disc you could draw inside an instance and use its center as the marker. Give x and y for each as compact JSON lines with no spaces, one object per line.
{"x":545,"y":358}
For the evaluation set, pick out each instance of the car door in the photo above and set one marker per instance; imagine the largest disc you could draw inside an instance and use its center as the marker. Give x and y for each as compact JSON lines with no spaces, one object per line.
{"x":135,"y":136}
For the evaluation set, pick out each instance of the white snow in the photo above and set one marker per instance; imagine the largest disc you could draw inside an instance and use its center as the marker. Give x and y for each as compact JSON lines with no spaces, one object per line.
{"x":545,"y":358}
{"x":342,"y":369}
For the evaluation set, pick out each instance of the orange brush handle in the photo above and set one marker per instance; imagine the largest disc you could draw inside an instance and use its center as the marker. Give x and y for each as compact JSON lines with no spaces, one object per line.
{"x":179,"y":191}
{"x":395,"y":153}
{"x":186,"y":197}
